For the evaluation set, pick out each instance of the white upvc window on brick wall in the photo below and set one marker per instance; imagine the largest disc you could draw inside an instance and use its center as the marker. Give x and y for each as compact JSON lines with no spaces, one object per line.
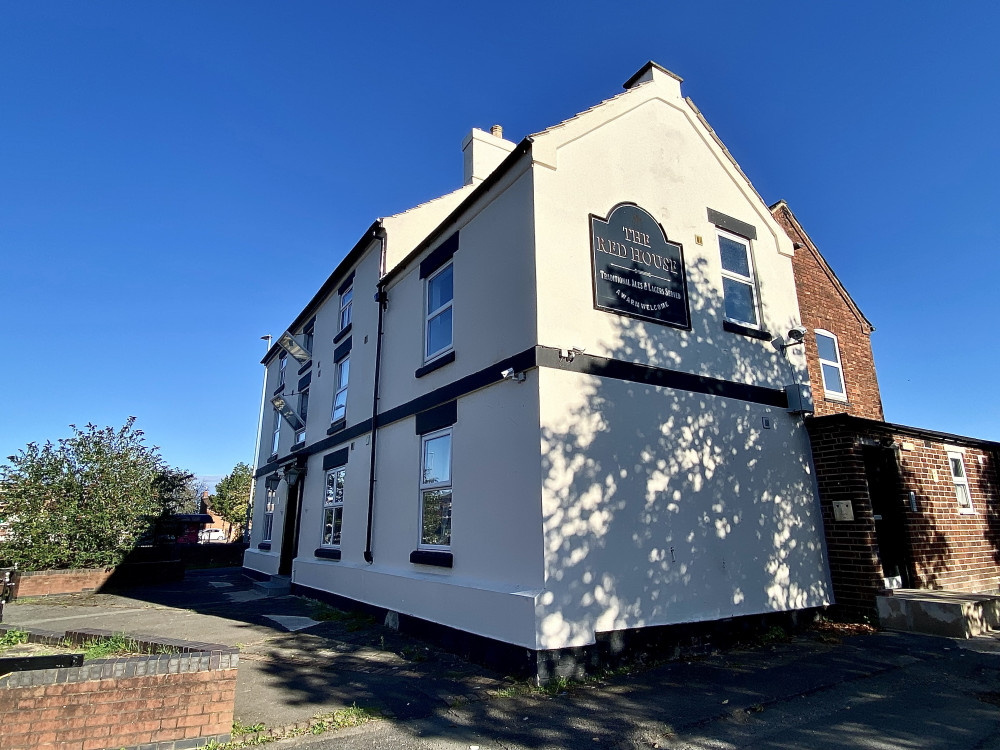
{"x":830,"y":365}
{"x":956,"y":462}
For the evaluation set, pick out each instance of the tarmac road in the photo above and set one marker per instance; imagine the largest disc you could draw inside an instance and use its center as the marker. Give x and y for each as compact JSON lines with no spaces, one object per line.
{"x":881,"y":691}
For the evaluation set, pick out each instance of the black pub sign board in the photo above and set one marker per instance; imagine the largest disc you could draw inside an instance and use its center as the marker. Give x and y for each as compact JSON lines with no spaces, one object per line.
{"x":637,"y":271}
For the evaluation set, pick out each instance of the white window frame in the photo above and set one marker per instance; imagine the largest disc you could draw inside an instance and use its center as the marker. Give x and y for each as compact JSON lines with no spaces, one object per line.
{"x":282,"y":364}
{"x":429,"y":315}
{"x":270,"y":497}
{"x":959,"y":482}
{"x":332,"y":506}
{"x":308,"y":337}
{"x":276,"y":433}
{"x":750,"y":281}
{"x":346,"y":307}
{"x":431,"y":486}
{"x":839,"y":364}
{"x":303,"y":410}
{"x":341,"y":388}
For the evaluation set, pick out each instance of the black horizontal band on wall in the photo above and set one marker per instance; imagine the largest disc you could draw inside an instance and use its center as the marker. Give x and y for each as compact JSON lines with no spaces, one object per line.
{"x":337,"y":458}
{"x":661,"y":376}
{"x":544,"y":356}
{"x":305,"y":380}
{"x":343,"y":332}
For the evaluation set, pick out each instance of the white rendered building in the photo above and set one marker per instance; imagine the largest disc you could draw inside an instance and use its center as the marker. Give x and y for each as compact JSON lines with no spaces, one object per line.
{"x":553,"y":404}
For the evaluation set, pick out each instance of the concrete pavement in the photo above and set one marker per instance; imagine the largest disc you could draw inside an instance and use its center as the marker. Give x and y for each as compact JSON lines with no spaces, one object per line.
{"x":877,"y":691}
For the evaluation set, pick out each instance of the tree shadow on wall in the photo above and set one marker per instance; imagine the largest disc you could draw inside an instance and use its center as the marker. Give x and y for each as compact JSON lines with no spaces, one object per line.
{"x":927,"y":548}
{"x":665,"y":505}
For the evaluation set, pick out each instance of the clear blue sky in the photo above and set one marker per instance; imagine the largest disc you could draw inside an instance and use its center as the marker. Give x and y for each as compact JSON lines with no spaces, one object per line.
{"x":178,"y":178}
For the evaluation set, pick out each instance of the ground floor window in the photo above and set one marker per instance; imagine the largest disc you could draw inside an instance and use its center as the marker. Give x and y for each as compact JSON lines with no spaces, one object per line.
{"x":271,"y":493}
{"x":333,"y":506}
{"x":435,"y":489}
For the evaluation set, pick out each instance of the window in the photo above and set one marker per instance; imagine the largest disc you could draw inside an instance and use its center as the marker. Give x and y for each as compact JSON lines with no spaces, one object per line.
{"x":961,"y":482}
{"x":345,"y":307}
{"x":340,"y":397}
{"x":307,"y":338}
{"x":276,"y":433}
{"x":333,"y":506}
{"x":271,"y":493}
{"x":435,"y":489}
{"x":738,"y":286}
{"x":438,"y":320}
{"x":282,"y":363}
{"x":830,"y":365}
{"x":300,"y":436}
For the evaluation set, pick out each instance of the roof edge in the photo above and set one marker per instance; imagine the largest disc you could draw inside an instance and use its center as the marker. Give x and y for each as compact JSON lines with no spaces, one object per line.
{"x":331,"y":283}
{"x":647,"y":67}
{"x":495,"y":176}
{"x":782,"y":205}
{"x":921,"y":432}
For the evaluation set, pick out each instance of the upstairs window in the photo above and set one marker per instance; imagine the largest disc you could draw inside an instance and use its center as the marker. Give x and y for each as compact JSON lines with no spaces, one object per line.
{"x":282,"y":363}
{"x":307,"y":338}
{"x":275,"y":433}
{"x":333,"y":506}
{"x":340,"y":397}
{"x":345,"y":307}
{"x":435,"y":489}
{"x":830,"y":365}
{"x":300,"y":436}
{"x":438,"y":319}
{"x":961,"y":482}
{"x":739,"y":286}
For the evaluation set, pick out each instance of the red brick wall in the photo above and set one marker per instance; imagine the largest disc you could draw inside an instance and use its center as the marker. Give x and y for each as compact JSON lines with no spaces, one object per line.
{"x":824,"y":304}
{"x":121,"y":703}
{"x":47,"y":582}
{"x":946,"y":549}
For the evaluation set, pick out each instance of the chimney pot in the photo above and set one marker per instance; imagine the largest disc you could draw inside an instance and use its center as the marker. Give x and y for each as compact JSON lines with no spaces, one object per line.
{"x":497,"y":130}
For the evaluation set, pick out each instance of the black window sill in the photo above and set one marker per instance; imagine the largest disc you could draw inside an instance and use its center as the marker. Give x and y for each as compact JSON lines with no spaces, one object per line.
{"x":337,"y":426}
{"x":431,"y":557}
{"x":298,"y":446}
{"x":278,"y":390}
{"x":306,"y":366}
{"x":264,"y":545}
{"x":327,"y":554}
{"x":447,"y":359}
{"x":343,"y":332}
{"x":754,"y":333}
{"x":272,"y":458}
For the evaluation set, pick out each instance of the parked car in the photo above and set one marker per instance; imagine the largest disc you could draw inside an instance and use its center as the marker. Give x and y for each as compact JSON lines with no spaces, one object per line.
{"x":206,"y":536}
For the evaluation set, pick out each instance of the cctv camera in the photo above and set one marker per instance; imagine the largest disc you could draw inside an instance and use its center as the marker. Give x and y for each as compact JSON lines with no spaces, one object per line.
{"x":508,"y":373}
{"x":797,"y":333}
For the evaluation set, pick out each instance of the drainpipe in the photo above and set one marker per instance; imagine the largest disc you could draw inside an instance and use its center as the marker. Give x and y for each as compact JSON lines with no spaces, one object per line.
{"x":382,"y":298}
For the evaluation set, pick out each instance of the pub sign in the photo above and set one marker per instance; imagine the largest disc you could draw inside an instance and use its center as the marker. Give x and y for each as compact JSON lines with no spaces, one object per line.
{"x":637,"y":270}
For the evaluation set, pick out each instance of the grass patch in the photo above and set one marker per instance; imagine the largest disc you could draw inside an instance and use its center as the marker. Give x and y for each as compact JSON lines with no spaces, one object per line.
{"x":256,"y":734}
{"x":354,"y":621}
{"x":12,"y":638}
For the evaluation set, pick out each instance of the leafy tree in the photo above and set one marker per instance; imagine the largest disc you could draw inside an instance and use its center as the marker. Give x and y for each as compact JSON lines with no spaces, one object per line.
{"x":177,"y":491}
{"x":80,"y":503}
{"x":232,"y":495}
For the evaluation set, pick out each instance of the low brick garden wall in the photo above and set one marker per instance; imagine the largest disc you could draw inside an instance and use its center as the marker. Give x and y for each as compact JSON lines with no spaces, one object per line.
{"x":50,"y":582}
{"x":160,"y":701}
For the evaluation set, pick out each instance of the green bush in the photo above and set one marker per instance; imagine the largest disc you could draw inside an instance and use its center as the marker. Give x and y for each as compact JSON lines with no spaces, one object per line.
{"x":81,"y":503}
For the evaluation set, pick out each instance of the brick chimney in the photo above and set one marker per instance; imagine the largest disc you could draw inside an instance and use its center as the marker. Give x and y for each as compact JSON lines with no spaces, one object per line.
{"x":483,"y":153}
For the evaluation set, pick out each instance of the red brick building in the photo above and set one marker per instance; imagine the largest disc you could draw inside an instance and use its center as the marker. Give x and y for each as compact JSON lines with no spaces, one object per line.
{"x":903,"y":507}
